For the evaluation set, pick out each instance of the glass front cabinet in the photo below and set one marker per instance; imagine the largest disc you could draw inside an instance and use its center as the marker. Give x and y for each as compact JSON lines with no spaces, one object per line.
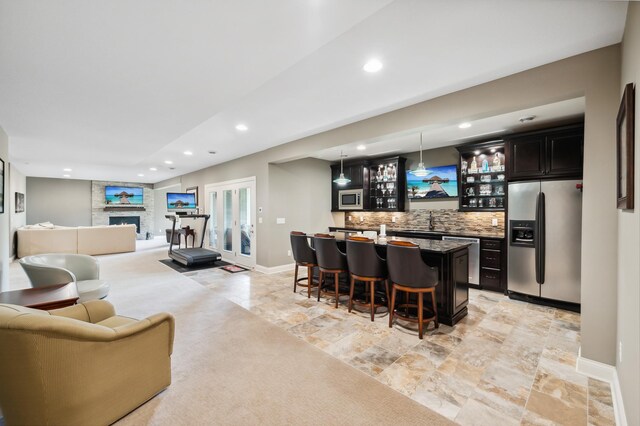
{"x":387,"y":184}
{"x":482,"y":182}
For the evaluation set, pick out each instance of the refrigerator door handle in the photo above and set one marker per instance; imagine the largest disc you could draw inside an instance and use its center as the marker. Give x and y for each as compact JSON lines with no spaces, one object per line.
{"x":540,"y":238}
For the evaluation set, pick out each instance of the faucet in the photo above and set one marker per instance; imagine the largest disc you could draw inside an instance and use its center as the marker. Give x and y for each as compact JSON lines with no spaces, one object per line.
{"x":431,"y":220}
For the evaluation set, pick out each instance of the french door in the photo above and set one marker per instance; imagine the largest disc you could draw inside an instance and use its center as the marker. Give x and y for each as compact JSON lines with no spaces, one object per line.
{"x":233,"y":216}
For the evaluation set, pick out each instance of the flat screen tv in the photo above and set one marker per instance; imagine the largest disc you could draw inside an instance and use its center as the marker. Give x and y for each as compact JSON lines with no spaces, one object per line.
{"x":440,"y":182}
{"x":123,"y":195}
{"x":181,"y":201}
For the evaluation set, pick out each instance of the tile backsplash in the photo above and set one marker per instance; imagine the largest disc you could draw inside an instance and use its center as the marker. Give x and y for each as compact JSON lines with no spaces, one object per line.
{"x":446,"y":220}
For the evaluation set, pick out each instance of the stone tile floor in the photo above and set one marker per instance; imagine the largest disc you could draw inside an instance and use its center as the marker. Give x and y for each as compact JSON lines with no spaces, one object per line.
{"x":506,"y":363}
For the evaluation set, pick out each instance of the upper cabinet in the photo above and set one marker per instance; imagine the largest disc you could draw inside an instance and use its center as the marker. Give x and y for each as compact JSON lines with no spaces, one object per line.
{"x":387,"y":184}
{"x":551,"y":153}
{"x":358,"y":172}
{"x":382,"y":182}
{"x":482,"y":183}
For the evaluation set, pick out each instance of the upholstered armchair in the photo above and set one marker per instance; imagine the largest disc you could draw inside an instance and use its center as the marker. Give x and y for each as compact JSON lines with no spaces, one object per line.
{"x":46,"y":270}
{"x":81,"y":365}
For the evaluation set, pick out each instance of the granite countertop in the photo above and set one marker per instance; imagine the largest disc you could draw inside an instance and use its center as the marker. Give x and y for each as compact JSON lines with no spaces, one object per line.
{"x":469,"y":234}
{"x":437,"y":246}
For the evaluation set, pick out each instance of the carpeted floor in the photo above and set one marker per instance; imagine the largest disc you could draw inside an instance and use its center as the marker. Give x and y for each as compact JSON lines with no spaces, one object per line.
{"x":231,"y":367}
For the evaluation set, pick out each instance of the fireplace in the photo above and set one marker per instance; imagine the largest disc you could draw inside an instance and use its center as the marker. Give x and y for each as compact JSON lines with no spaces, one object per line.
{"x":126,"y":220}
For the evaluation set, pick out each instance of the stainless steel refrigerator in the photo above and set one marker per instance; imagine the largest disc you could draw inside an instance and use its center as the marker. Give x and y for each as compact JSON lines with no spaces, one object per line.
{"x":545,"y":235}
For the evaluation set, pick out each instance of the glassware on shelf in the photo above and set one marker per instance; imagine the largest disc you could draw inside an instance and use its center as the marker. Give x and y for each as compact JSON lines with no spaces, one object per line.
{"x":492,"y":202}
{"x":463,"y":167}
{"x":485,"y":166}
{"x":473,"y":202}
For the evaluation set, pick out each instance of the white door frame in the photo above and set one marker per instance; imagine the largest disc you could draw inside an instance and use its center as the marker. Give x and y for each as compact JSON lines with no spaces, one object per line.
{"x":234,"y":185}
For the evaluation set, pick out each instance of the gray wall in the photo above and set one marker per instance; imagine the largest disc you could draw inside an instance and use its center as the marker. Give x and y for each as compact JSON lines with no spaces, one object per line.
{"x":63,"y":202}
{"x":300,"y":193}
{"x":17,"y":183}
{"x":628,"y":321}
{"x":4,"y":217}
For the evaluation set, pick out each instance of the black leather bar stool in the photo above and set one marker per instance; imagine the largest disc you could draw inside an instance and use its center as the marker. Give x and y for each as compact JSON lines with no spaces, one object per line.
{"x":330,"y":261}
{"x":410,"y":274}
{"x":304,"y":256}
{"x":365,"y":265}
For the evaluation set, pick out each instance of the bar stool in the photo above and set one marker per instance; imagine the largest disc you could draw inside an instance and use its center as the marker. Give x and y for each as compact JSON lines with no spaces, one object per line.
{"x":304,"y":256}
{"x":365,"y":265}
{"x":330,"y":261}
{"x":410,"y":274}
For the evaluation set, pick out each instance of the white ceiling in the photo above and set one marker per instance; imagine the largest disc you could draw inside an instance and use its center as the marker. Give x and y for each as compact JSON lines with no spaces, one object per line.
{"x":446,"y":134}
{"x":110,"y":89}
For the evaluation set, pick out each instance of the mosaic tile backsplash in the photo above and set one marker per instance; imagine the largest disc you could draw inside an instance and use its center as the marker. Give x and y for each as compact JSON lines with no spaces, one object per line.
{"x":446,"y":221}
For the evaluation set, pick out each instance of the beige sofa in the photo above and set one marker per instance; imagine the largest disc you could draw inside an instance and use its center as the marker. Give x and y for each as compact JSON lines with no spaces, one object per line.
{"x":81,"y":365}
{"x":91,"y":240}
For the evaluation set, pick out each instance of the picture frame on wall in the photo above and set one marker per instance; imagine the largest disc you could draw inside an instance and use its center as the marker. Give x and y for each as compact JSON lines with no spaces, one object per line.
{"x":193,"y":190}
{"x":625,"y":134}
{"x":19,"y":202}
{"x":1,"y":186}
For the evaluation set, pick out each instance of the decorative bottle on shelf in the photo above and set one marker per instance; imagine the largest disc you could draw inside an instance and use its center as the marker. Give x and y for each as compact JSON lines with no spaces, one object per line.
{"x":385,"y":174}
{"x":474,"y":166}
{"x":463,"y":166}
{"x":485,"y":166}
{"x":496,"y":162}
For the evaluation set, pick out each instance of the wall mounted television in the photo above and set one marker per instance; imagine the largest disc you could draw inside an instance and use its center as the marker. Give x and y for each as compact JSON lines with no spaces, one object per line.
{"x":124,"y":195}
{"x":441,"y":182}
{"x":181,"y":201}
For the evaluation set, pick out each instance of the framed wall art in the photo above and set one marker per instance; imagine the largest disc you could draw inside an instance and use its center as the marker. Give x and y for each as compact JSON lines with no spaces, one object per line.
{"x":625,"y":148}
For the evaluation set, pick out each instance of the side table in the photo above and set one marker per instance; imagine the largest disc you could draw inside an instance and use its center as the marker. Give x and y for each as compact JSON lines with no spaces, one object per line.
{"x":45,"y":298}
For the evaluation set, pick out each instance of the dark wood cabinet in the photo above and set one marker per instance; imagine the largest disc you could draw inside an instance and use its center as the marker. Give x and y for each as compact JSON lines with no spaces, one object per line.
{"x":482,"y":183}
{"x":546,"y":154}
{"x":387,"y":184}
{"x":493,"y":264}
{"x":383,"y":182}
{"x":358,"y":172}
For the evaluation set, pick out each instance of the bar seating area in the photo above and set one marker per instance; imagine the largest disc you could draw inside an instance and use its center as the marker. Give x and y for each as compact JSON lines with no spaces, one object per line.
{"x":367,"y":266}
{"x":332,"y":263}
{"x":402,"y":270}
{"x":304,"y":256}
{"x":408,"y":273}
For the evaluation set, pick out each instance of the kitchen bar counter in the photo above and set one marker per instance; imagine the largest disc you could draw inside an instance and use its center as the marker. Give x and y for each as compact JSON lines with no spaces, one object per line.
{"x":452,"y":260}
{"x":422,"y":233}
{"x":435,"y":246}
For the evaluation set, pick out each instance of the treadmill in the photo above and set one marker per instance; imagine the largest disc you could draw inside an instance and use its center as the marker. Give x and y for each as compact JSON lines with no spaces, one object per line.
{"x":195,"y":255}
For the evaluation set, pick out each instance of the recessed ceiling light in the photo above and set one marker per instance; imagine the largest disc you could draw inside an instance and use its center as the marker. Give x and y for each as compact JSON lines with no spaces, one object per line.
{"x":66,"y":175}
{"x":153,"y":169}
{"x":66,"y":170}
{"x":493,"y":150}
{"x":464,"y":125}
{"x":140,"y":174}
{"x":188,"y":153}
{"x":168,"y":162}
{"x":373,"y":65}
{"x":361,"y":147}
{"x":476,"y":152}
{"x":241,"y":127}
{"x":212,"y":152}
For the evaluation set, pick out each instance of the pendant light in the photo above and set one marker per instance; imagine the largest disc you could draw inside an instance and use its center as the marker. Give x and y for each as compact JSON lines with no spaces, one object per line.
{"x":420,"y":171}
{"x":342,"y":180}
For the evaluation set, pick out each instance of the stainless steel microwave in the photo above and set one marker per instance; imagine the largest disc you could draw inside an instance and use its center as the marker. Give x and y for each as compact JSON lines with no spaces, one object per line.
{"x":350,"y":199}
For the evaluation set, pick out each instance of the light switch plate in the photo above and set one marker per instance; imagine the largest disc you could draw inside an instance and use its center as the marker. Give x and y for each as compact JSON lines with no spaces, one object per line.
{"x":259,"y":220}
{"x":280,"y":220}
{"x":393,"y":219}
{"x":494,"y":222}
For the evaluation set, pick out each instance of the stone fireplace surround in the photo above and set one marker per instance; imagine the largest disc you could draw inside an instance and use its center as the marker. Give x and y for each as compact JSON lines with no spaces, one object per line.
{"x":101,"y":217}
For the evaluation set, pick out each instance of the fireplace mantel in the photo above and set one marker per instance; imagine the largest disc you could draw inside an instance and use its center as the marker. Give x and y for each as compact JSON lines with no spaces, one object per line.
{"x":124,"y":209}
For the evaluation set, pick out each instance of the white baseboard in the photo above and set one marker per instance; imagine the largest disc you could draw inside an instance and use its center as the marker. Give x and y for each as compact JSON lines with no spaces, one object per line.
{"x":275,"y":269}
{"x":606,"y":373}
{"x":12,"y":258}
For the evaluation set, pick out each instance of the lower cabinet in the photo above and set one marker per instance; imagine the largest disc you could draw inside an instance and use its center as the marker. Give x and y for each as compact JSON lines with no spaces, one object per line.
{"x":493,"y":265}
